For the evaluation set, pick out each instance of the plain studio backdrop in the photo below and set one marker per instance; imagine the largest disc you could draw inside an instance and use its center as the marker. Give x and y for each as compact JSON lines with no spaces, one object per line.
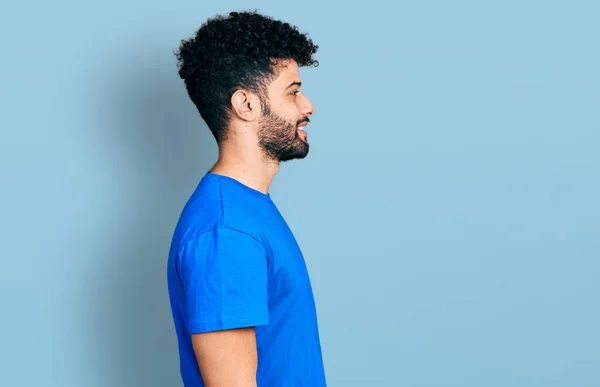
{"x":448,"y":209}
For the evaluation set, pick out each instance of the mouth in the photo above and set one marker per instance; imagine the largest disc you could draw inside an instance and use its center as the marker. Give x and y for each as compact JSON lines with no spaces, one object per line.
{"x":301,"y":128}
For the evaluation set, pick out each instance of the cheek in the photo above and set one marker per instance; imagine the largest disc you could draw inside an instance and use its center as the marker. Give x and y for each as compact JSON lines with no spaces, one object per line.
{"x":297,"y":108}
{"x":290,"y":111}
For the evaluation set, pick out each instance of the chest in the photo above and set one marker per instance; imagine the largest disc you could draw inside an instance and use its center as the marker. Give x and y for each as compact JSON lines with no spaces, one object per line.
{"x":288,"y":274}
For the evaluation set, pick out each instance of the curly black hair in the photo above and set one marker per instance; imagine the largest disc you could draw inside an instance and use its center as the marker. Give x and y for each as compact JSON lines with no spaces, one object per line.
{"x":237,"y":51}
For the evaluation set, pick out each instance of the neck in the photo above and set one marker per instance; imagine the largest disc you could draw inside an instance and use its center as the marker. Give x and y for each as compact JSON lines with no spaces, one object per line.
{"x":246,"y":164}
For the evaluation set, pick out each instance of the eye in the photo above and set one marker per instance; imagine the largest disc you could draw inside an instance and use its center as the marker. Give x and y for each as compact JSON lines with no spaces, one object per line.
{"x":295,"y":93}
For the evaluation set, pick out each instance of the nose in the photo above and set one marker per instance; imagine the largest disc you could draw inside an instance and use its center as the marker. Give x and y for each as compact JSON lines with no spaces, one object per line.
{"x":307,"y":107}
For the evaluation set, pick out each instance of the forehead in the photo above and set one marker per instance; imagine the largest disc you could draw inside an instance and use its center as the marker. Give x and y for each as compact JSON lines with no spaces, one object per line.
{"x":287,"y":72}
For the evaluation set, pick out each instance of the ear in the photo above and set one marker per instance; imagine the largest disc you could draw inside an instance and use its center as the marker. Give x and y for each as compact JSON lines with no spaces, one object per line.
{"x":245,"y":105}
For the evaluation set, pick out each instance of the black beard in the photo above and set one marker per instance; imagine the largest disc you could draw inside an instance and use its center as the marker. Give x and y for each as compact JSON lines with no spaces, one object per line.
{"x":279,"y":138}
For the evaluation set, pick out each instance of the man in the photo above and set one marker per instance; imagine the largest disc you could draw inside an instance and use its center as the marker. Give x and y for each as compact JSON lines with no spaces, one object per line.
{"x":240,"y":292}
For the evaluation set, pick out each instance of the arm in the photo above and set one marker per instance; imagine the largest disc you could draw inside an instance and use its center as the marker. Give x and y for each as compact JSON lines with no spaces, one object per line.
{"x":224,"y":277}
{"x":227,"y":358}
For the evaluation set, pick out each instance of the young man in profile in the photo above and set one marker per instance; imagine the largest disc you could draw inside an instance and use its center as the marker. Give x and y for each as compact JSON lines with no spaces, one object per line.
{"x":240,"y":292}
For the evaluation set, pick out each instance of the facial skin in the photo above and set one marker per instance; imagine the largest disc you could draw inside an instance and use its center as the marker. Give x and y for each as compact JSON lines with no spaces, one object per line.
{"x":287,"y":111}
{"x":264,"y":132}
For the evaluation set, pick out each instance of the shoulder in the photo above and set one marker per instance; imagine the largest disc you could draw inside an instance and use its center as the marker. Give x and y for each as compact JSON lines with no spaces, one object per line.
{"x":222,"y":236}
{"x":222,"y":207}
{"x":229,"y":249}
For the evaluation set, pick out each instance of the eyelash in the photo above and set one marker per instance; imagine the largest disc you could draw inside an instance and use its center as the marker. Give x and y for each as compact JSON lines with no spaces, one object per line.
{"x":294,"y":93}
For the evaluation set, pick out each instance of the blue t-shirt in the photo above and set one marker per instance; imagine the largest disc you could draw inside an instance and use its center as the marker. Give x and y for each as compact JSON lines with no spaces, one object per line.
{"x":235,"y":263}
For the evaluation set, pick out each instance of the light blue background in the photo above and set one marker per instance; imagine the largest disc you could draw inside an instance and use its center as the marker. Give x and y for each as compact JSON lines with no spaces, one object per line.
{"x":448,"y":209}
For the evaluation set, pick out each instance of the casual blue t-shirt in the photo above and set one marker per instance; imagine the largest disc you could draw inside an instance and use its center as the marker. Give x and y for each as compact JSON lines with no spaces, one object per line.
{"x":235,"y":263}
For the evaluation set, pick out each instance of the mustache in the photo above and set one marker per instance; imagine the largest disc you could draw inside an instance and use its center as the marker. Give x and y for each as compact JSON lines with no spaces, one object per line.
{"x":307,"y":120}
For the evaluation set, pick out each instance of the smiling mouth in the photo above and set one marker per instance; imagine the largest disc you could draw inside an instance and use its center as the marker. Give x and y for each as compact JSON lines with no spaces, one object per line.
{"x":302,"y":130}
{"x":302,"y":126}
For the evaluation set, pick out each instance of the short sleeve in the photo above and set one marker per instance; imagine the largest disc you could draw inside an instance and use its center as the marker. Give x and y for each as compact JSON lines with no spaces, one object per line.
{"x":224,"y":276}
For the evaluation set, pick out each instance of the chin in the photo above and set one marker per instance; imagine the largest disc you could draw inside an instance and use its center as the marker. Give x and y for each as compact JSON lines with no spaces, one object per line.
{"x":298,"y":155}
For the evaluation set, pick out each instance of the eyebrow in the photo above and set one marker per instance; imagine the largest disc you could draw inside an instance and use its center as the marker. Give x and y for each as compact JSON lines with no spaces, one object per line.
{"x":295,"y":83}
